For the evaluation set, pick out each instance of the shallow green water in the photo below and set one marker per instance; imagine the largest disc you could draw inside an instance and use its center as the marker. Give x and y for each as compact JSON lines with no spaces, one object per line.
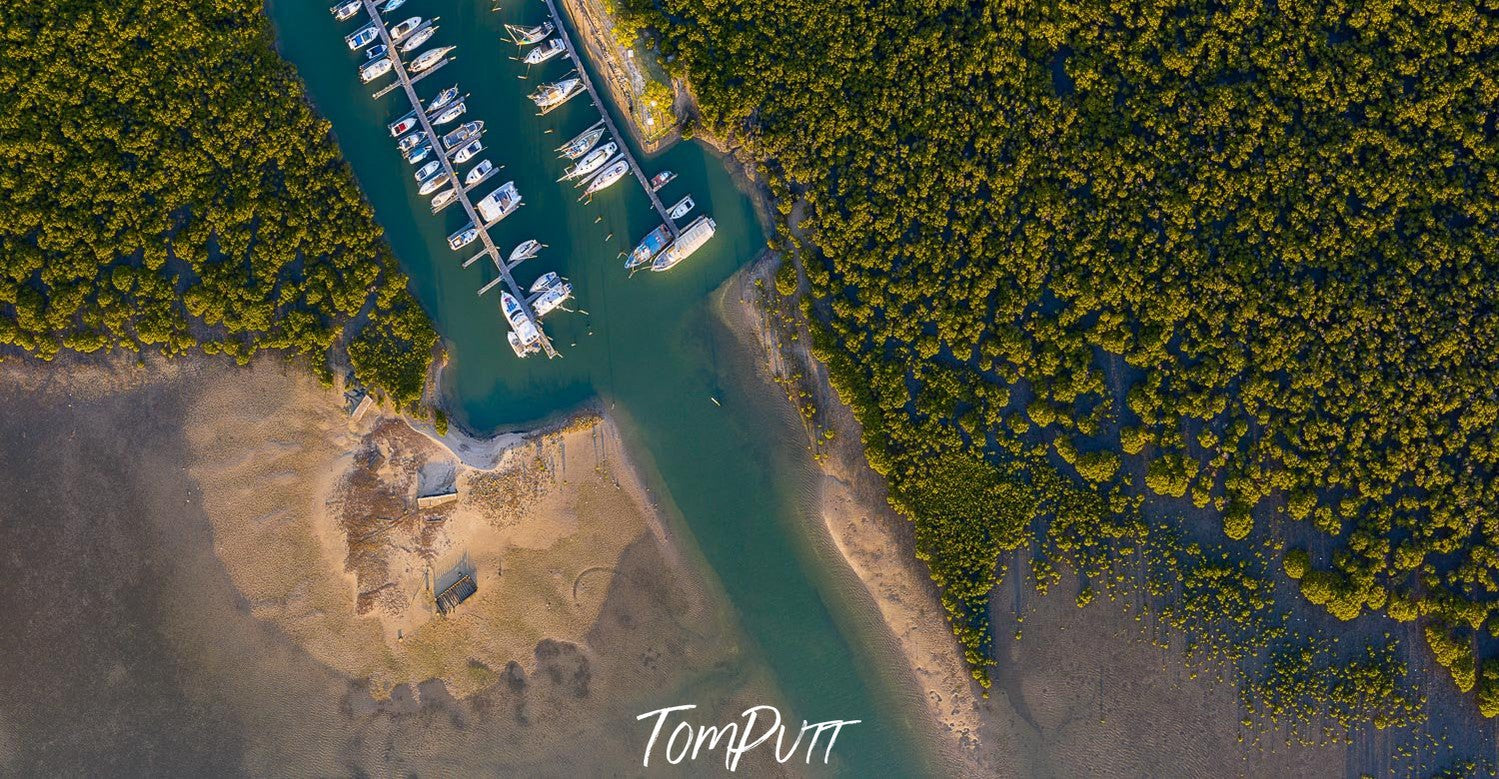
{"x":737,"y":475}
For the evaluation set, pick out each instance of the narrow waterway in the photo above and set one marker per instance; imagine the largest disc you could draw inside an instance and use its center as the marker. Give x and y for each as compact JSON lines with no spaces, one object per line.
{"x":734,"y":474}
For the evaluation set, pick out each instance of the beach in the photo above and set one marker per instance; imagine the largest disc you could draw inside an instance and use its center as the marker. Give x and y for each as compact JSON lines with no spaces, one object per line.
{"x":181,"y":598}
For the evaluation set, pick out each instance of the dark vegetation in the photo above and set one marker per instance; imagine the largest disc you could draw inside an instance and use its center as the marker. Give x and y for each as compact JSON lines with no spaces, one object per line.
{"x":1082,"y":267}
{"x":167,"y":187}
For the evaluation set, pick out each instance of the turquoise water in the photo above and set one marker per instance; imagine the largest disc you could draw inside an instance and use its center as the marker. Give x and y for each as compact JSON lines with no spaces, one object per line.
{"x":737,"y":474}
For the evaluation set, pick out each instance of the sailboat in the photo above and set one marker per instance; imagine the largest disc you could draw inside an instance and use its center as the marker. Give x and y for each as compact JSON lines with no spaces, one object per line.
{"x":549,"y":96}
{"x":525,"y":251}
{"x":584,"y":141}
{"x":443,"y":98}
{"x":430,"y":58}
{"x":591,"y":162}
{"x":525,"y":36}
{"x":443,"y":199}
{"x":450,"y":113}
{"x":432,"y":184}
{"x":551,"y":48}
{"x":421,"y":36}
{"x":611,"y":173}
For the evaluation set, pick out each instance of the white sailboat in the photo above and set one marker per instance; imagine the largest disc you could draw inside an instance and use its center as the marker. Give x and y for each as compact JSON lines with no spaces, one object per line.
{"x":581,"y":143}
{"x":591,"y":163}
{"x":688,"y":242}
{"x":547,"y":50}
{"x":606,"y":178}
{"x":430,"y":58}
{"x":525,"y":36}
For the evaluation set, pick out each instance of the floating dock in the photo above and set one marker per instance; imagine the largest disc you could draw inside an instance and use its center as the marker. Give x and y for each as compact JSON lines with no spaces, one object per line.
{"x":405,"y":81}
{"x":598,"y":102}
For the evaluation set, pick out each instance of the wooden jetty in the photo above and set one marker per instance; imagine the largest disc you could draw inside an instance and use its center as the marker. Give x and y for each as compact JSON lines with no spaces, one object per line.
{"x":598,"y":102}
{"x":405,"y":81}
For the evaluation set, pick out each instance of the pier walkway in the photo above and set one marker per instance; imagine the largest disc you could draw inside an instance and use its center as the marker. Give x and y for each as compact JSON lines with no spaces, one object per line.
{"x":405,"y":81}
{"x":598,"y":102}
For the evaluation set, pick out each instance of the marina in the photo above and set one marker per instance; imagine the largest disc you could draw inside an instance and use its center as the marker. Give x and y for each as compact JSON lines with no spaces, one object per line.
{"x":535,"y":338}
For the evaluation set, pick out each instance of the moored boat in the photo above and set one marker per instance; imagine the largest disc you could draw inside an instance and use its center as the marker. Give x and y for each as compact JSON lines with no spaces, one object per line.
{"x":374,"y":69}
{"x":584,"y":141}
{"x":403,"y":125}
{"x":391,"y":5}
{"x":681,"y":208}
{"x":418,"y":38}
{"x":478,"y":173}
{"x":362,"y":37}
{"x":376,"y":52}
{"x":411,"y":141}
{"x":346,"y":10}
{"x":463,"y":237}
{"x":430,"y":58}
{"x":443,"y":98}
{"x":419,"y":153}
{"x":690,"y":240}
{"x":605,"y":178}
{"x":649,"y":246}
{"x":463,"y":132}
{"x":552,"y":296}
{"x":405,"y":28}
{"x":467,"y":153}
{"x":524,"y":251}
{"x":443,"y":199}
{"x":523,"y":348}
{"x":549,"y":96}
{"x":524,"y":336}
{"x":432,"y":184}
{"x":499,"y":204}
{"x":427,"y":171}
{"x":591,"y":163}
{"x":547,"y":50}
{"x":547,"y":279}
{"x":661,"y":179}
{"x":450,"y":113}
{"x":525,"y":36}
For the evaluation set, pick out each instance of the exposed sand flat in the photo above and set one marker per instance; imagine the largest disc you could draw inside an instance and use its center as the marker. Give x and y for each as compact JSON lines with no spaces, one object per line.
{"x":139,"y":642}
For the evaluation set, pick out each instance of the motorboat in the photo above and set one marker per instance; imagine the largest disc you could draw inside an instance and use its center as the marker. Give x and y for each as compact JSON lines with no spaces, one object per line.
{"x":591,"y":163}
{"x":419,"y":153}
{"x":526,"y":250}
{"x":584,"y":141}
{"x":467,"y":153}
{"x":374,"y":69}
{"x":429,"y":58}
{"x":405,"y":28}
{"x":443,"y":98}
{"x":411,"y":141}
{"x":605,"y":178}
{"x":681,"y":208}
{"x":549,"y":96}
{"x":547,"y":279}
{"x":427,"y":171}
{"x":376,"y":52}
{"x":463,"y":237}
{"x":403,"y":125}
{"x":362,"y":37}
{"x":463,"y":132}
{"x":499,"y":204}
{"x":649,"y":246}
{"x":450,"y":113}
{"x":443,"y":199}
{"x":661,"y":179}
{"x":418,"y":38}
{"x":524,"y":336}
{"x":552,"y":296}
{"x":478,"y":173}
{"x":346,"y":10}
{"x":551,"y":48}
{"x":525,"y":36}
{"x":690,"y":240}
{"x":391,"y":5}
{"x":432,"y":184}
